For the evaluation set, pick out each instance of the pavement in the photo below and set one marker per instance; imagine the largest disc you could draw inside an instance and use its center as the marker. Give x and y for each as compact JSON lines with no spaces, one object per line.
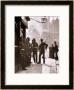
{"x":50,"y":66}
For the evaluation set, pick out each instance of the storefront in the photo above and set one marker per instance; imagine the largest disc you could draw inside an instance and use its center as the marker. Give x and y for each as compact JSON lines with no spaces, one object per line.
{"x":21,"y":24}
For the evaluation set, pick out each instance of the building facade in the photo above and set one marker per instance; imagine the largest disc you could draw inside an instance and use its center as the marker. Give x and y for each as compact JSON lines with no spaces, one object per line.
{"x":21,"y":24}
{"x":50,"y":30}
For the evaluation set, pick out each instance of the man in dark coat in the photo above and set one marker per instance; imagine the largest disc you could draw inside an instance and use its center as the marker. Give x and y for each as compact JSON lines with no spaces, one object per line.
{"x":52,"y":52}
{"x":55,"y":51}
{"x":42,"y":48}
{"x":34,"y":50}
{"x":28,"y":51}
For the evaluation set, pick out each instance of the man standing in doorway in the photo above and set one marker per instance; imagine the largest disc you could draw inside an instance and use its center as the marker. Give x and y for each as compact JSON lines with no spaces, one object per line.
{"x":28,"y":51}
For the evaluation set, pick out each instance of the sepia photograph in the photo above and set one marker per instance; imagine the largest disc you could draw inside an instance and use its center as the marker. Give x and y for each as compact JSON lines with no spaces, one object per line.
{"x":37,"y":44}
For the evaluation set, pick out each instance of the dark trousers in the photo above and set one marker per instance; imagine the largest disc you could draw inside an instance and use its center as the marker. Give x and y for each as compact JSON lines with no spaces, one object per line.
{"x":56,"y":56}
{"x":35,"y":57}
{"x":40,"y":54}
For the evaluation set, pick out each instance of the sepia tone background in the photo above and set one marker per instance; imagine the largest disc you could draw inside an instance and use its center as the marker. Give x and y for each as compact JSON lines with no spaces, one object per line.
{"x":0,"y":42}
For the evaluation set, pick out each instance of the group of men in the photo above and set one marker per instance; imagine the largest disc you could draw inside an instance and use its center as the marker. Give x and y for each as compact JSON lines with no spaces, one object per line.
{"x":41,"y":49}
{"x":28,"y":49}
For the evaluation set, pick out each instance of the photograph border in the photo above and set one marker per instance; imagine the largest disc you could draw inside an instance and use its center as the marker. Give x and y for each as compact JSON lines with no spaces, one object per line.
{"x":3,"y":3}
